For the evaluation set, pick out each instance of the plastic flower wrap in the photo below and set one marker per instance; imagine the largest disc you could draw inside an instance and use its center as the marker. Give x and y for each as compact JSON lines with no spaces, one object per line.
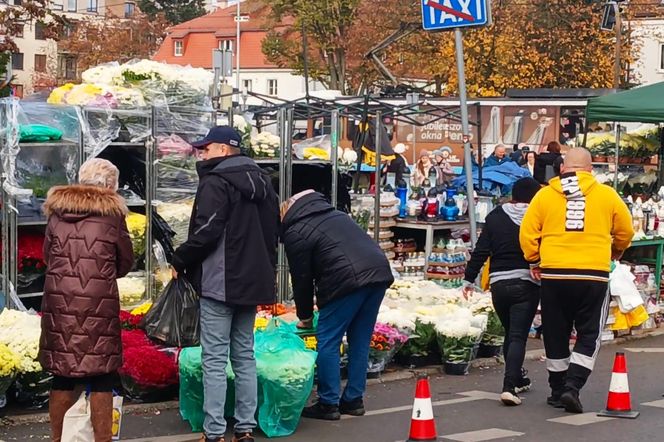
{"x":385,"y":342}
{"x":132,"y":290}
{"x":177,"y":215}
{"x":136,"y":224}
{"x":20,"y":332}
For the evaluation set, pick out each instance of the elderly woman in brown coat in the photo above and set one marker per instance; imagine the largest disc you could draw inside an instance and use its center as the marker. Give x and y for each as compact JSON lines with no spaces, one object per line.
{"x":87,"y":247}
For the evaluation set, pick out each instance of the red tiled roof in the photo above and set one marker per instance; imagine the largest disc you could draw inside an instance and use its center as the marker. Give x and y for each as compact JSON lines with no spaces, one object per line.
{"x":202,"y":35}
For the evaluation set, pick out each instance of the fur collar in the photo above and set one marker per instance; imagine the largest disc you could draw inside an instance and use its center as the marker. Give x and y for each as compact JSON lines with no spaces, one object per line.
{"x":83,"y":199}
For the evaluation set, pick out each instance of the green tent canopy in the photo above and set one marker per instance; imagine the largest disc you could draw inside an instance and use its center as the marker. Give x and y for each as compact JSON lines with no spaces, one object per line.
{"x":641,"y":105}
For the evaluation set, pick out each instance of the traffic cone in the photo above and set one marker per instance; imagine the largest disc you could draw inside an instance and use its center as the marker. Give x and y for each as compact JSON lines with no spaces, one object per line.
{"x":619,"y":403}
{"x":422,"y":425}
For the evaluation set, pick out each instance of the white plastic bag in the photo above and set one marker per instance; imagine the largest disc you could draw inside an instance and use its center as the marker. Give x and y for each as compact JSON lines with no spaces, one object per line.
{"x":77,"y":423}
{"x":623,"y":288}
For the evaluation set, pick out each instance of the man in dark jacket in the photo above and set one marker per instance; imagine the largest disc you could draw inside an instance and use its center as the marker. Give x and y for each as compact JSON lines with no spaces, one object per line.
{"x":514,"y":292}
{"x":331,"y":258}
{"x":230,"y":257}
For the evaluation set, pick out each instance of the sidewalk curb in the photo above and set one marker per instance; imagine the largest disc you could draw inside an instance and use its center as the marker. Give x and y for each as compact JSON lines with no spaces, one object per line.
{"x":397,"y":375}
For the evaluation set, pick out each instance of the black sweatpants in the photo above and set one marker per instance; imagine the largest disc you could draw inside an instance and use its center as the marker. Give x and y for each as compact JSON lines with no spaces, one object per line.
{"x":569,"y":303}
{"x":515,"y":302}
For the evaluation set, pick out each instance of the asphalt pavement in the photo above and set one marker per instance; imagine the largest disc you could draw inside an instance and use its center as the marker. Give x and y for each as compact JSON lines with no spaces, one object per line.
{"x":466,"y":408}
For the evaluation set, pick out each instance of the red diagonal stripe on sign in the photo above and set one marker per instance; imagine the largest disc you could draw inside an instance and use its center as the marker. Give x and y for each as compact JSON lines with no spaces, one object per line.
{"x":452,"y":11}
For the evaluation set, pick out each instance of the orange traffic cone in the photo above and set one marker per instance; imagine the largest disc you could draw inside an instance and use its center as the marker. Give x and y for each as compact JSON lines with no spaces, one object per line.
{"x":619,"y":403}
{"x":422,"y":425}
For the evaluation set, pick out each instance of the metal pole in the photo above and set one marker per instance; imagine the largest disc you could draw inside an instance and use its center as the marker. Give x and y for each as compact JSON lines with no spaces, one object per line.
{"x":334,"y":155}
{"x":617,"y":155}
{"x":237,"y":43}
{"x":282,"y":275}
{"x":458,"y":38}
{"x":150,"y":175}
{"x":288,"y":125}
{"x":616,"y":63}
{"x":378,"y":144}
{"x":478,"y":109}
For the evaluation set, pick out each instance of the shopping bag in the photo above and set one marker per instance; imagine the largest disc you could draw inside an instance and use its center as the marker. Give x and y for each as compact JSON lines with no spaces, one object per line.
{"x":77,"y":425}
{"x":173,"y":318}
{"x":117,"y":416}
{"x":285,"y":371}
{"x":623,"y":288}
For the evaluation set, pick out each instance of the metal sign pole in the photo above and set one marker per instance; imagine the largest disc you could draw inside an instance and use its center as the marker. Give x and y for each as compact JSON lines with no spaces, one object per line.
{"x":378,"y":143}
{"x":467,"y":151}
{"x":334,"y":155}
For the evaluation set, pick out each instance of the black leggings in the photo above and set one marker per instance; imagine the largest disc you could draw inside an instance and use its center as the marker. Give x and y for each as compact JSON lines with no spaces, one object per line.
{"x":98,"y":384}
{"x":515,"y":302}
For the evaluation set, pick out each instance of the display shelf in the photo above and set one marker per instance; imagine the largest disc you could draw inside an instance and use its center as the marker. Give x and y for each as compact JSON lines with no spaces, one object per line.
{"x":31,"y":295}
{"x":430,"y":228}
{"x":307,"y":162}
{"x":658,"y":261}
{"x":55,"y":143}
{"x":32,"y":223}
{"x":443,"y":277}
{"x":447,"y":264}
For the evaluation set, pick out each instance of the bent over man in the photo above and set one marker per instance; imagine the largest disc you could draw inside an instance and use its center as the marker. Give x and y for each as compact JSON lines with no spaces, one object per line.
{"x":570,"y":233}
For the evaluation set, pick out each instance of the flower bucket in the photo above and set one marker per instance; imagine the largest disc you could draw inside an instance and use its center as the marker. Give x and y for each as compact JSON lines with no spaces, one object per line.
{"x":33,"y":389}
{"x":147,"y":393}
{"x":456,"y":368}
{"x":489,"y":351}
{"x":5,"y":383}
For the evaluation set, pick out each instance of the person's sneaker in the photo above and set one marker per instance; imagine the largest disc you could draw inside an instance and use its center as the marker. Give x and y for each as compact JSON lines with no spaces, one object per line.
{"x":524,"y":383}
{"x":510,"y":398}
{"x":570,"y":400}
{"x":352,"y":408}
{"x":243,"y":437}
{"x":322,"y":411}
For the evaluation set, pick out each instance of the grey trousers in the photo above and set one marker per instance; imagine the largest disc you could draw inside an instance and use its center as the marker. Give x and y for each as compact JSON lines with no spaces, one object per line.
{"x":223,"y":328}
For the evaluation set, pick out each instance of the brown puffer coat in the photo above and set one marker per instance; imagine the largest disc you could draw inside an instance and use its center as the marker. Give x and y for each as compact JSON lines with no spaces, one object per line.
{"x":87,"y":247}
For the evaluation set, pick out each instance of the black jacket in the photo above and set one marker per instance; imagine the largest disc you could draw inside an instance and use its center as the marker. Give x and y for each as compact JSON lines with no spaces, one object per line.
{"x":499,"y":241}
{"x":230,"y":254}
{"x":543,"y":160}
{"x":328,"y":254}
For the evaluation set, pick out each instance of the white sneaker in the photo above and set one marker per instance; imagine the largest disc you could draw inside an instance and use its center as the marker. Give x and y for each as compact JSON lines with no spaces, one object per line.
{"x":510,"y":399}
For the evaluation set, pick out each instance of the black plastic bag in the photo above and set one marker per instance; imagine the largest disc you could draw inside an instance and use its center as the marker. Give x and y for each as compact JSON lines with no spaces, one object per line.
{"x":174,"y":317}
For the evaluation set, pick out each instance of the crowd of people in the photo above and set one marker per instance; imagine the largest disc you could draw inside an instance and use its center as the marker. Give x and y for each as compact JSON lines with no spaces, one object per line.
{"x":552,"y":244}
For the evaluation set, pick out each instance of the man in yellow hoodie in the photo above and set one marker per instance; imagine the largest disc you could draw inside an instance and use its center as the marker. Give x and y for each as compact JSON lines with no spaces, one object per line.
{"x":572,"y":230}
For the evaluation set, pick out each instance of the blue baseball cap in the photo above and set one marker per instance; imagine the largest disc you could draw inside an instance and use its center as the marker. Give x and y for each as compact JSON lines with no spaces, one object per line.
{"x":219,"y":134}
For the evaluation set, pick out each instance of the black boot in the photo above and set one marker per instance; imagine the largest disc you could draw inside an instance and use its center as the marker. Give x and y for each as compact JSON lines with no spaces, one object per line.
{"x":571,"y":402}
{"x":352,"y":408}
{"x":322,"y":411}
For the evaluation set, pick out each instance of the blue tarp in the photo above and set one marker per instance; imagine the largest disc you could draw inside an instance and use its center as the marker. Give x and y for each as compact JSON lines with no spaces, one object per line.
{"x":496,"y":178}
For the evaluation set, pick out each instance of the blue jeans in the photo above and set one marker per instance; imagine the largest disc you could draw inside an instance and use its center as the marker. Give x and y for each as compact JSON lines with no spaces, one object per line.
{"x":355,"y":315}
{"x":225,"y":327}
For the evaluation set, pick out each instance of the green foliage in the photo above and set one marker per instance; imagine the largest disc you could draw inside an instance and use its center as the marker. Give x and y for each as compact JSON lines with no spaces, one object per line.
{"x":176,"y":11}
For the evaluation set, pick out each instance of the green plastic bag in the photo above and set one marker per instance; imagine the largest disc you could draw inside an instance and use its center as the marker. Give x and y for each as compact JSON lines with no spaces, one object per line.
{"x":191,"y":388}
{"x":285,"y":379}
{"x":38,"y":132}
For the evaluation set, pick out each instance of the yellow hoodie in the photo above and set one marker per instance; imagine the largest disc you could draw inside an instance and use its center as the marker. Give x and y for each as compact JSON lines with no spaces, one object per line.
{"x":572,"y":226}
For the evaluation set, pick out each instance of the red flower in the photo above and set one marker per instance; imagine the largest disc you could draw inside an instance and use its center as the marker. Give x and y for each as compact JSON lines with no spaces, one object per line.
{"x":149,"y":367}
{"x":129,"y":321}
{"x":134,"y":338}
{"x":30,"y":251}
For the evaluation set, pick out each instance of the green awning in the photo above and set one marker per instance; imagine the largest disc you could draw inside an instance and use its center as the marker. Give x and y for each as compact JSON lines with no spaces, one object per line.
{"x":641,"y":105}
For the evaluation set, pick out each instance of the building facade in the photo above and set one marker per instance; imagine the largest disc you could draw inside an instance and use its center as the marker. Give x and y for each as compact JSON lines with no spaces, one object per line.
{"x":38,"y":61}
{"x":192,"y":43}
{"x":650,"y":65}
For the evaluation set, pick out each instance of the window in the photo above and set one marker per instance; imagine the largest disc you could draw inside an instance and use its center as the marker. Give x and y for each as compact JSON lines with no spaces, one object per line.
{"x":661,"y":56}
{"x":20,"y":31}
{"x":40,"y":63}
{"x":57,"y":6}
{"x":72,"y":5}
{"x":67,"y":30}
{"x":67,"y":67}
{"x":226,"y":45}
{"x":178,"y":48}
{"x":39,"y":31}
{"x":247,"y":85}
{"x":18,"y":3}
{"x":17,"y":61}
{"x":17,"y":90}
{"x":130,"y":9}
{"x":272,"y":88}
{"x":92,"y":5}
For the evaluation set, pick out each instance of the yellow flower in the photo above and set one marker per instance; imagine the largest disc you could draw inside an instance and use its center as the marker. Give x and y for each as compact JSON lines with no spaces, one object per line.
{"x":260,"y":323}
{"x":58,"y":94}
{"x":9,"y":362}
{"x":136,"y":224}
{"x":142,"y":309}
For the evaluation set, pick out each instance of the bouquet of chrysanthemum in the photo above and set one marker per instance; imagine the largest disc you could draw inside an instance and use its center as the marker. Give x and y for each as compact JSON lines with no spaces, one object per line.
{"x":385,"y":342}
{"x":9,"y":364}
{"x":20,"y":331}
{"x":136,"y":224}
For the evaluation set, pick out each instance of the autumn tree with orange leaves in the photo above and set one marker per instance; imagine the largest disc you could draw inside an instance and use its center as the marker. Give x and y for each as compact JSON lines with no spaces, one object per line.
{"x":530,"y":44}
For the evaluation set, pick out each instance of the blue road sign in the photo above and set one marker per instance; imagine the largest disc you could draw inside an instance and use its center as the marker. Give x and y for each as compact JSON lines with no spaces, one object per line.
{"x":438,"y":15}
